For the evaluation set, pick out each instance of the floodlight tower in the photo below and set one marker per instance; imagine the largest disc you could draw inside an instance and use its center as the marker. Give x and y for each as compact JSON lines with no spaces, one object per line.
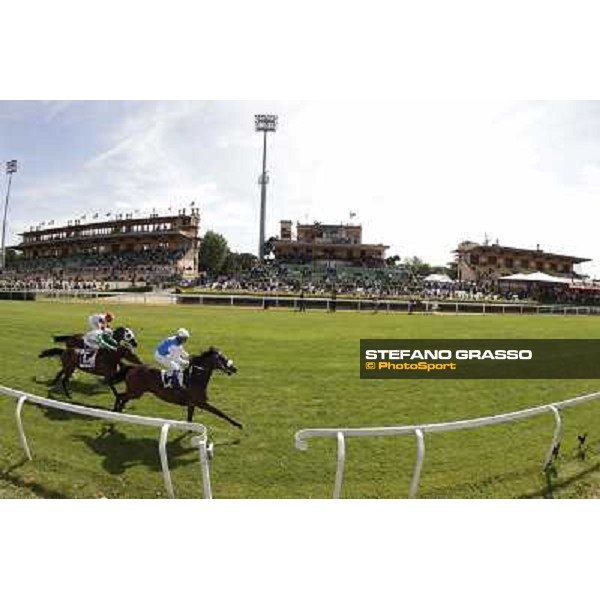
{"x":11,"y":167}
{"x":266,"y":124}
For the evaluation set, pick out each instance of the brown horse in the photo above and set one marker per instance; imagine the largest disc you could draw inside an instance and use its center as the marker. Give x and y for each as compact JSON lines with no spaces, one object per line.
{"x":75,"y":340}
{"x":106,"y":365}
{"x":140,"y":380}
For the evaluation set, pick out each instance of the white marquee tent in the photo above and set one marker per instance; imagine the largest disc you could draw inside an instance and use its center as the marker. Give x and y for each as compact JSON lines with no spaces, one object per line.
{"x":437,"y":278}
{"x":537,"y":277}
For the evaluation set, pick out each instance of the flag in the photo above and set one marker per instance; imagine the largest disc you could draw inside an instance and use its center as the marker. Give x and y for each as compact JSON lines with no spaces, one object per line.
{"x":352,"y":214}
{"x":83,"y":217}
{"x":108,"y":214}
{"x":95,"y":216}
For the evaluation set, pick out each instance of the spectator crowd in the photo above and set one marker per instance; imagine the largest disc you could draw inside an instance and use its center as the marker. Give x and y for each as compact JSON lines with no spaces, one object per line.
{"x":156,"y":268}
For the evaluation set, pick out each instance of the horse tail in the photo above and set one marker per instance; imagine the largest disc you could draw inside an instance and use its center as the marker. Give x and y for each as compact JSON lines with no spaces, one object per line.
{"x":122,"y":373}
{"x":51,"y":352}
{"x":61,"y":338}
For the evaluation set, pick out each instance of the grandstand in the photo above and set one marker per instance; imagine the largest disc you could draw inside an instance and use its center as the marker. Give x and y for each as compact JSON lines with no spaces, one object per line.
{"x":327,"y":245}
{"x":477,"y":262}
{"x":148,"y":250}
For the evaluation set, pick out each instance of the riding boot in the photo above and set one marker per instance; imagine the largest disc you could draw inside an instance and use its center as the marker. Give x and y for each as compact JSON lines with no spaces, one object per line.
{"x":175,"y":383}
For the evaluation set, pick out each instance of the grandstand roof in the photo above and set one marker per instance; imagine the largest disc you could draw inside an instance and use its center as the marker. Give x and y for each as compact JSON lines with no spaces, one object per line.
{"x":498,"y":249}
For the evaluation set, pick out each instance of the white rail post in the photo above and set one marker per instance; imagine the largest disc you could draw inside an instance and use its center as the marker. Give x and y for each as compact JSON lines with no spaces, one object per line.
{"x":164,"y":461}
{"x":556,"y":437}
{"x":22,"y":437}
{"x":205,"y":469}
{"x":339,"y":471}
{"x":414,"y":484}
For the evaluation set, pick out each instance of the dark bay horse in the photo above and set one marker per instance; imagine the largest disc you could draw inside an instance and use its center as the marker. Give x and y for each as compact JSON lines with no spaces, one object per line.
{"x":107,"y":364}
{"x":75,"y":340}
{"x":140,"y":380}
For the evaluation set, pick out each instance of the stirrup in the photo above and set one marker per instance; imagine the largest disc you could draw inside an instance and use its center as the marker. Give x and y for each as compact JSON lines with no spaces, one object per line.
{"x":166,"y":379}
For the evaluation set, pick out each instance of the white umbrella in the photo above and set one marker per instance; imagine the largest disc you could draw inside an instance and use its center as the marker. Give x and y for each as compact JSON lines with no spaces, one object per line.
{"x":537,"y":277}
{"x":438,"y":278}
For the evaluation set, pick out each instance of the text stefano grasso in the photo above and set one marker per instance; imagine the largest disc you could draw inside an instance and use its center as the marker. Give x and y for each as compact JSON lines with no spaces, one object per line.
{"x":459,"y":354}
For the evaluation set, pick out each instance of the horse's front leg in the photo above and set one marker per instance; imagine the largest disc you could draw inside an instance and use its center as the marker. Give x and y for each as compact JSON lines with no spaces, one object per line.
{"x":120,"y":402}
{"x":204,"y":405}
{"x":113,"y":388}
{"x":57,"y":378}
{"x":65,"y":381}
{"x":190,"y":411}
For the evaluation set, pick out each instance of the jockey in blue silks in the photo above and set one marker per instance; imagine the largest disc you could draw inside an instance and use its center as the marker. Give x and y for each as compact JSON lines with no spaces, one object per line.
{"x":171,"y":354}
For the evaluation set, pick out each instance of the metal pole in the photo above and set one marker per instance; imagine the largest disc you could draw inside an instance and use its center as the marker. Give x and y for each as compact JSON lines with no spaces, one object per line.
{"x":339,"y":472}
{"x":414,"y":485}
{"x":556,"y":438}
{"x":3,"y":262}
{"x":263,"y":201}
{"x":164,"y":461}
{"x":22,"y":437}
{"x":204,"y":453}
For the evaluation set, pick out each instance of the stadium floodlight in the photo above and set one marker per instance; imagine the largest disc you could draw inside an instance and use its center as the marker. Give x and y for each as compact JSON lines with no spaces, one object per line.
{"x":265,"y":124}
{"x":11,"y":167}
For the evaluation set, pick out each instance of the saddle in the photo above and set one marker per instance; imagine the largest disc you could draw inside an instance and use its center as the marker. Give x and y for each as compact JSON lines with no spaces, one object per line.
{"x":173,"y":380}
{"x":87,"y":359}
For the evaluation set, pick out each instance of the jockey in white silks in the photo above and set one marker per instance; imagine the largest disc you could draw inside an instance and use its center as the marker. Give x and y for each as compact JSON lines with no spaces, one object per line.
{"x":99,"y":336}
{"x":171,"y":355}
{"x":101,"y":321}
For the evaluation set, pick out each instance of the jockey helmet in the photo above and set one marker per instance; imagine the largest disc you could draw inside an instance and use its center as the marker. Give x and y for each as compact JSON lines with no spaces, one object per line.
{"x":183,"y":333}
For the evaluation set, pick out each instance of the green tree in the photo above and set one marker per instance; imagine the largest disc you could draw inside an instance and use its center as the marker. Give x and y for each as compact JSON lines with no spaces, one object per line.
{"x":417,"y":267}
{"x":236,"y":263}
{"x":12,"y":256}
{"x":213,"y":253}
{"x":452,"y":270}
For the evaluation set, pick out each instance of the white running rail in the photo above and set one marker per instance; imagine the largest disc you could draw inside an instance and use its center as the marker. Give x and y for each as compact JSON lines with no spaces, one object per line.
{"x":205,"y":449}
{"x":419,"y":431}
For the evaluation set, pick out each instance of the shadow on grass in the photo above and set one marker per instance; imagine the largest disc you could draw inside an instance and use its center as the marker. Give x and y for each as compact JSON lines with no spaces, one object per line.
{"x":16,"y":480}
{"x":55,"y":414}
{"x":121,"y":452}
{"x":551,"y":486}
{"x":88,"y":387}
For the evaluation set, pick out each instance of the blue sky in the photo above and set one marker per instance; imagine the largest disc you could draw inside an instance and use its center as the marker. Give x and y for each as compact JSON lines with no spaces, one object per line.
{"x":421,"y":175}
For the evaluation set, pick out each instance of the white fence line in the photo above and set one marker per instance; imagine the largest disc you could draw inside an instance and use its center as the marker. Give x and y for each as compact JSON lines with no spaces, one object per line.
{"x":341,"y":433}
{"x":205,"y":449}
{"x":358,"y":304}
